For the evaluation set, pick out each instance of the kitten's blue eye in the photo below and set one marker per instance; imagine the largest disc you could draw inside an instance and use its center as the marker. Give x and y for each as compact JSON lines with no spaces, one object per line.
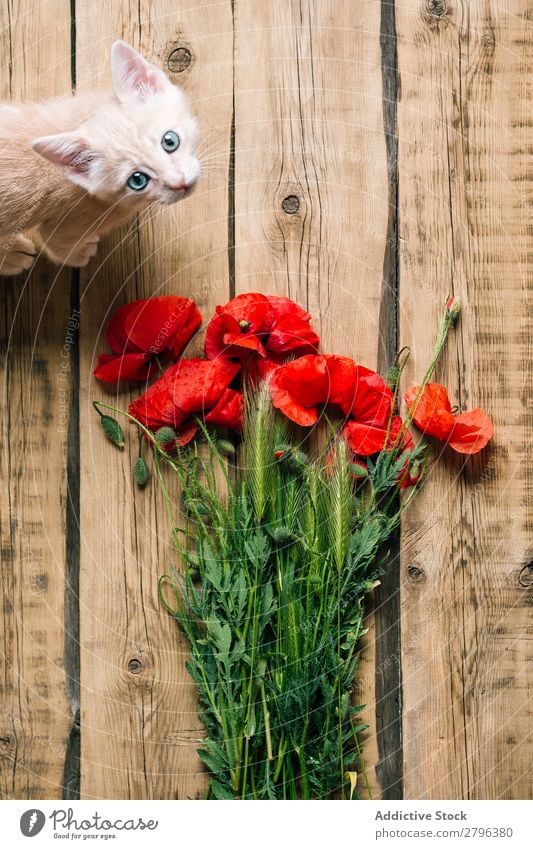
{"x":138,"y":181}
{"x":170,"y":141}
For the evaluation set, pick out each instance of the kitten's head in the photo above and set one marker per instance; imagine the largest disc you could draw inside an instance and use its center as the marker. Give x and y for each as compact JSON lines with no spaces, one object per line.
{"x":138,"y":146}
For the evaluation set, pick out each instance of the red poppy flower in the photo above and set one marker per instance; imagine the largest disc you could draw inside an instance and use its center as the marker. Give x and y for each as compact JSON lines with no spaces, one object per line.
{"x":366,"y":439}
{"x":142,"y":330}
{"x":466,"y":433}
{"x":228,"y":411}
{"x":188,"y":388}
{"x":260,"y":326}
{"x":301,"y":386}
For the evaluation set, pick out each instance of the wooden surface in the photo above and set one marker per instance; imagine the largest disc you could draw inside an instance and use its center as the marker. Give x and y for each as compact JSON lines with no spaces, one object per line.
{"x":344,"y":167}
{"x":465,"y":190}
{"x":36,"y":706}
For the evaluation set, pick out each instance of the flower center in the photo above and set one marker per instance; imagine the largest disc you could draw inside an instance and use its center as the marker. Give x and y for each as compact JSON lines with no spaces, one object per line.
{"x":245,"y":325}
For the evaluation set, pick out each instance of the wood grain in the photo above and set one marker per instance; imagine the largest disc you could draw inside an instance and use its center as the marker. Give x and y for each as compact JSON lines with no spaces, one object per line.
{"x":465,"y":223}
{"x":139,"y":724}
{"x":36,"y":712}
{"x":309,"y":203}
{"x":311,"y":184}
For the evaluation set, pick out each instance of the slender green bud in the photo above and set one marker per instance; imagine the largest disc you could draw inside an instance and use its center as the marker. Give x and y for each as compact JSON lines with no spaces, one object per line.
{"x":393,"y":376}
{"x":112,"y":430}
{"x":140,"y":471}
{"x":226,"y":447}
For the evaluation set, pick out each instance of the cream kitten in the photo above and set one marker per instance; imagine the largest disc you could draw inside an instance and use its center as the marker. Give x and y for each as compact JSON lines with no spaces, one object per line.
{"x":74,"y":167}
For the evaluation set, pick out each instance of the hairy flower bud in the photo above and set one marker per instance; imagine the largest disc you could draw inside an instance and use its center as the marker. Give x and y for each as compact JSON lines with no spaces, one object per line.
{"x":281,"y":535}
{"x":226,"y":447}
{"x":140,"y":471}
{"x":393,"y":376}
{"x":165,"y":435}
{"x":453,"y":308}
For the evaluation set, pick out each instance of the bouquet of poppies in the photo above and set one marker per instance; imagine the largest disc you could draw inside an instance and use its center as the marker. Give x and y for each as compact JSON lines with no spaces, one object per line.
{"x":294,"y":468}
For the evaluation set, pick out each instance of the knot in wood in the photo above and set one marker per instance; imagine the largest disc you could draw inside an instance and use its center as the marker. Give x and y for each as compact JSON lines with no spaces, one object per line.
{"x":525,"y":578}
{"x":290,"y":204}
{"x":437,"y":8}
{"x":135,"y":666}
{"x":179,"y":60}
{"x":414,"y":573}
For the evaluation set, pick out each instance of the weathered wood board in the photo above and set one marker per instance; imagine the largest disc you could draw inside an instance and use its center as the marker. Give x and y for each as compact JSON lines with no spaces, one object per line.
{"x":465,"y":188}
{"x":37,"y":708}
{"x":140,"y":729}
{"x":366,"y":159}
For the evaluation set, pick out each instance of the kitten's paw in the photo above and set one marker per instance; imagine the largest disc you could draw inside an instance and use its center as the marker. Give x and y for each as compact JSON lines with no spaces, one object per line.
{"x":16,"y":256}
{"x":77,"y":256}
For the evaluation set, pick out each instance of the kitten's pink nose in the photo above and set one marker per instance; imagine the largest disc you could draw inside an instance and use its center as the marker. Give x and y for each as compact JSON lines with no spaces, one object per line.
{"x":177,"y":186}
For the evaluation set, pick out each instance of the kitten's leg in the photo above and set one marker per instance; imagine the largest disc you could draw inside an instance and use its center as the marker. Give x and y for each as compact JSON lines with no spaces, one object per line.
{"x":70,"y":249}
{"x":16,"y":255}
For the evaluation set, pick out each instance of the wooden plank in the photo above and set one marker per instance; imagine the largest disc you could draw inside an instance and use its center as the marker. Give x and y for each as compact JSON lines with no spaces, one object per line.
{"x":465,"y":122}
{"x":36,"y":339}
{"x":139,"y":723}
{"x":311,"y":183}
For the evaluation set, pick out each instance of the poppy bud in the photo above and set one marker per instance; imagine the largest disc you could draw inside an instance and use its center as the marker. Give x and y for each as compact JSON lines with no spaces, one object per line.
{"x":140,"y":471}
{"x":453,"y":308}
{"x":226,"y":447}
{"x":112,"y":430}
{"x":193,"y":564}
{"x":297,"y":460}
{"x":282,"y":451}
{"x":281,"y":535}
{"x":165,"y":435}
{"x":393,"y":376}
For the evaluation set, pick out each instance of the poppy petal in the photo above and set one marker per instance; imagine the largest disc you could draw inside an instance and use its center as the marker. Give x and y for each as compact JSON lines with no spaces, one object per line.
{"x":116,"y":335}
{"x":186,"y":433}
{"x":247,"y":341}
{"x":298,"y":387}
{"x":252,"y":307}
{"x":114,"y":367}
{"x":364,"y":439}
{"x":342,"y":371}
{"x":433,"y":413}
{"x":188,"y":387}
{"x":291,"y":333}
{"x":228,"y":411}
{"x":369,"y":399}
{"x":471,"y":432}
{"x":217,"y":328}
{"x":162,"y":323}
{"x":282,"y":306}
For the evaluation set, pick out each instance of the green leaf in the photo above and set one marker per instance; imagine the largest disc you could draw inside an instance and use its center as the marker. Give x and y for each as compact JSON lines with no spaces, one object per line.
{"x":213,"y":567}
{"x":220,"y":636}
{"x":140,"y":471}
{"x":219,"y":791}
{"x":240,"y":592}
{"x":112,"y":430}
{"x":213,"y":759}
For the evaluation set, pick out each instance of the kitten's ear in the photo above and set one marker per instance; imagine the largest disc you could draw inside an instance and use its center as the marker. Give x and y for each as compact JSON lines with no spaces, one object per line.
{"x":134,"y":77}
{"x":71,"y":153}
